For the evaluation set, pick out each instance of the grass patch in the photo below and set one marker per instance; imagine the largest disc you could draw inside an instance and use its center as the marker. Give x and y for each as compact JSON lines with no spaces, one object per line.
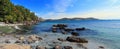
{"x":7,"y":29}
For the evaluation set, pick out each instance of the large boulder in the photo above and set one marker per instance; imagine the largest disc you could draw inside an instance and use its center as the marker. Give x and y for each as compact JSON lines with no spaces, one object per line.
{"x":76,"y":39}
{"x":15,"y":46}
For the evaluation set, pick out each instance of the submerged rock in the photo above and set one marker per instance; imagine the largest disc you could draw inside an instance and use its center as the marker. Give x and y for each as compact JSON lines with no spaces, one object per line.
{"x":101,"y":47}
{"x":80,"y":29}
{"x":75,"y":34}
{"x":68,"y":29}
{"x":76,"y":39}
{"x":40,"y":47}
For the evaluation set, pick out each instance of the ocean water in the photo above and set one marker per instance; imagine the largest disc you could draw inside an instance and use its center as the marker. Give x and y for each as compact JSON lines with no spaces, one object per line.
{"x":102,"y":31}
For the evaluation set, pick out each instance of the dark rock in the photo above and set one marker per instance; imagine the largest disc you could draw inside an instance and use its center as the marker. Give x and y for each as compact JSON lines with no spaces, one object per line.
{"x":54,"y":31}
{"x":60,"y":26}
{"x":54,"y":25}
{"x":76,"y":39}
{"x":80,"y":29}
{"x":57,"y":47}
{"x":19,"y":41}
{"x":68,"y":29}
{"x":60,"y":39}
{"x":68,"y":47}
{"x":75,"y":34}
{"x":101,"y":47}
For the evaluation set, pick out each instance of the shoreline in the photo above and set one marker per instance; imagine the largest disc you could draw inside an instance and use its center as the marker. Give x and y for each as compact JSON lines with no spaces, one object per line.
{"x":49,"y":40}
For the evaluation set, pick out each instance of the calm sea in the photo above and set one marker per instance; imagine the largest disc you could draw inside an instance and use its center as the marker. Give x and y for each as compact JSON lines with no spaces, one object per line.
{"x":103,"y":31}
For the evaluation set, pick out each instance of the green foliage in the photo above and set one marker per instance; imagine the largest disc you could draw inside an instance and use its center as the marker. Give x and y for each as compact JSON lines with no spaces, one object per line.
{"x":11,"y":13}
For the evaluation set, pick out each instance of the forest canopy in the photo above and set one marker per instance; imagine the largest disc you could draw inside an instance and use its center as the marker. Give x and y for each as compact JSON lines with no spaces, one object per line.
{"x":11,"y":13}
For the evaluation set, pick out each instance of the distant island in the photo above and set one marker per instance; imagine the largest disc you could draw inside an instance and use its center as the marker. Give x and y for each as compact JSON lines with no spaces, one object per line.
{"x":73,"y":19}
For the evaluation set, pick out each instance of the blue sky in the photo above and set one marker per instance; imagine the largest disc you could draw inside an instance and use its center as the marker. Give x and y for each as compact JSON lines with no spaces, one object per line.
{"x":55,"y":9}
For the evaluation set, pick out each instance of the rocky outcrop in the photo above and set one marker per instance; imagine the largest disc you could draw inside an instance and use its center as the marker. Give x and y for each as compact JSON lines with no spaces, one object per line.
{"x":29,"y":40}
{"x":76,"y":39}
{"x":60,"y":25}
{"x":68,"y":29}
{"x":33,"y":38}
{"x":57,"y":27}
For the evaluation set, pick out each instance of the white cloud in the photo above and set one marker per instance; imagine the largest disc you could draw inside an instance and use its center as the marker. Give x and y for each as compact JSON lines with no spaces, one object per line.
{"x":113,"y":13}
{"x":113,"y":1}
{"x":62,"y":5}
{"x":109,"y":11}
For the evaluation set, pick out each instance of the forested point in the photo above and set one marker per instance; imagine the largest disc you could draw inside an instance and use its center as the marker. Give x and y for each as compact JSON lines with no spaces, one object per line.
{"x":11,"y":13}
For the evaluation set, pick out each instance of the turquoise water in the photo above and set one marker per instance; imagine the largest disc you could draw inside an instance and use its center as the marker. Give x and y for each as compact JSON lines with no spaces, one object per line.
{"x":103,"y":31}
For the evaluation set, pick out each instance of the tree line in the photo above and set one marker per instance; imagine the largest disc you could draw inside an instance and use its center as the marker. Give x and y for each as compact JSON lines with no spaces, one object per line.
{"x":11,"y":13}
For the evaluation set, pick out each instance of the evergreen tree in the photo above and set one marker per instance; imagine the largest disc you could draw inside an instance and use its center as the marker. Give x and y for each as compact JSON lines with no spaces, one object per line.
{"x":11,"y":13}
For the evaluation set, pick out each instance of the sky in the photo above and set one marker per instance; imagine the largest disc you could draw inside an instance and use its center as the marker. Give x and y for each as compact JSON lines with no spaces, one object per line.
{"x":56,"y":9}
